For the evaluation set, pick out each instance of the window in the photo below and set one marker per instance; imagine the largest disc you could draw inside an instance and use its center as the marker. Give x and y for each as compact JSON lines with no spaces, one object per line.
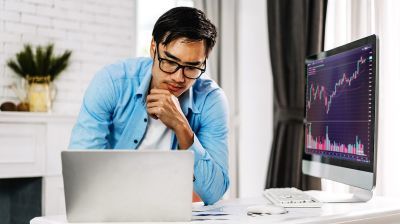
{"x":347,"y":21}
{"x":148,"y":11}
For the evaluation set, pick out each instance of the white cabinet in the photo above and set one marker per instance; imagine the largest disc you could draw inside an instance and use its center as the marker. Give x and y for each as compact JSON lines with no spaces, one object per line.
{"x":21,"y":150}
{"x":30,"y":146}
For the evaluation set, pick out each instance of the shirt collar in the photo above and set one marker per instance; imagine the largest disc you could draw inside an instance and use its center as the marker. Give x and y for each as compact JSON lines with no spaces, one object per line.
{"x":145,"y":84}
{"x":185,"y":100}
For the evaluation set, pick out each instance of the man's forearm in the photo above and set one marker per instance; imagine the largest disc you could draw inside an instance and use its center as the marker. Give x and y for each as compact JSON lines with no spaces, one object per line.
{"x":211,"y":182}
{"x":185,"y":135}
{"x":211,"y":173}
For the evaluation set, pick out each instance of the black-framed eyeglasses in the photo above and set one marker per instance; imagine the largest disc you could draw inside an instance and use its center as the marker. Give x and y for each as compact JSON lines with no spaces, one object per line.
{"x":170,"y":67}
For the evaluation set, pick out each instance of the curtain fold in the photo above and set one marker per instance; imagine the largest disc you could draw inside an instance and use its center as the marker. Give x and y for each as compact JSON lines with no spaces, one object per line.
{"x":212,"y":8}
{"x":296,"y":29}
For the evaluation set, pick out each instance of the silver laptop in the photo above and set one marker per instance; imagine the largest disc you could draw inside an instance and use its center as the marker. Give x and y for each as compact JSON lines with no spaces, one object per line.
{"x":128,"y":186}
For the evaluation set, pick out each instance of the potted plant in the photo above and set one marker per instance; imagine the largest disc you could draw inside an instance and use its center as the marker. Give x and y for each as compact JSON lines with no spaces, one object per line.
{"x":39,"y":68}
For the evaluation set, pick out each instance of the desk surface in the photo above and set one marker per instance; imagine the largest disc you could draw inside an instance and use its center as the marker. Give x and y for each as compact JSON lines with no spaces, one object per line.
{"x":378,"y":210}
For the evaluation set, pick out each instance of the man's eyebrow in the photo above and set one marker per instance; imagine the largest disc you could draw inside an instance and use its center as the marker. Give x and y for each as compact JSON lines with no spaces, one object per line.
{"x":194,"y":63}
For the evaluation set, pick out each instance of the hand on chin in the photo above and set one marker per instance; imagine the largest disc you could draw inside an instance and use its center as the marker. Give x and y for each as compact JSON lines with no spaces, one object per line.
{"x":163,"y":105}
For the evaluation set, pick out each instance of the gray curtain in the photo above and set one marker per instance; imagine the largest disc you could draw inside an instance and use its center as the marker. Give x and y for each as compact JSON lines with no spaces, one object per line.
{"x":212,"y":8}
{"x":296,"y":29}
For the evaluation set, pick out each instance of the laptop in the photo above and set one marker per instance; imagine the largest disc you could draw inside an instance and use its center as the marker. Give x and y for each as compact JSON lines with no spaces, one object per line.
{"x":127,"y":186}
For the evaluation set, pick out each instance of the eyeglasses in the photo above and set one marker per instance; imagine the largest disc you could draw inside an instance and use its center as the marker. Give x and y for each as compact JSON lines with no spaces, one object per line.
{"x":171,"y":67}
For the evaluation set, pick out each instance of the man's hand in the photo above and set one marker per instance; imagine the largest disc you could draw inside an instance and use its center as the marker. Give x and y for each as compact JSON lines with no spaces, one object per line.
{"x":163,"y":105}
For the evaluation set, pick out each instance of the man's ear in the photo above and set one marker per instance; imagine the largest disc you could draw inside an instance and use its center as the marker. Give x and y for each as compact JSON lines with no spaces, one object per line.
{"x":152,"y":48}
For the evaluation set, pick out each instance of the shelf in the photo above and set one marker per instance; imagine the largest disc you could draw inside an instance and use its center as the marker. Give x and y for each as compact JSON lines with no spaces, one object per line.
{"x":35,"y":117}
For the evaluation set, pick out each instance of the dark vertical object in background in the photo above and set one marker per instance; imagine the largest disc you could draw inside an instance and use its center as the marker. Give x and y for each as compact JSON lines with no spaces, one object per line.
{"x":296,"y":29}
{"x":20,"y":200}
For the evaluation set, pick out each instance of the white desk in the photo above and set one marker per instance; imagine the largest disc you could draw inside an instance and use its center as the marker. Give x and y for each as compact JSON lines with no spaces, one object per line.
{"x":378,"y":210}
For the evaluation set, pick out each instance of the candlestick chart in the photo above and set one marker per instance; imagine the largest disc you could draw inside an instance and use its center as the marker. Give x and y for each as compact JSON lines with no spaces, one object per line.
{"x":339,"y":105}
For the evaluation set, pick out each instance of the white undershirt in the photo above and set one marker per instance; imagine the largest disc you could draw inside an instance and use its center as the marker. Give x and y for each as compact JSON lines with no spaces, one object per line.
{"x":157,"y":136}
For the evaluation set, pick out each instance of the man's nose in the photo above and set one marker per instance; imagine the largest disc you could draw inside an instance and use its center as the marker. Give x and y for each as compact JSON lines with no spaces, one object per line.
{"x":178,"y":75}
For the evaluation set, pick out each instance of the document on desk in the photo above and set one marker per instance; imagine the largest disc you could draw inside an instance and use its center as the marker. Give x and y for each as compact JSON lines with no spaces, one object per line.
{"x":200,"y":212}
{"x":206,"y":215}
{"x":200,"y":207}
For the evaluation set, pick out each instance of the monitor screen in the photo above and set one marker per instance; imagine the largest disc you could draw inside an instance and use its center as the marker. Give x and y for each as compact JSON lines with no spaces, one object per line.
{"x":340,"y":106}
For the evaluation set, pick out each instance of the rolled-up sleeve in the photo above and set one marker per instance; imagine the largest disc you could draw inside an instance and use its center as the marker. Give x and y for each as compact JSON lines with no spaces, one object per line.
{"x":92,"y":127}
{"x":210,"y":149}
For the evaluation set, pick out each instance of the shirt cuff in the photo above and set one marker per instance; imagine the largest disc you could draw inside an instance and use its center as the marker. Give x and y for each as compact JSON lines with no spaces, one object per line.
{"x":199,"y":152}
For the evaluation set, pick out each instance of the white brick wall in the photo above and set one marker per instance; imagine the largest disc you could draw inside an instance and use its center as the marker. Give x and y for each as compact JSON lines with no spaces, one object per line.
{"x":98,"y":32}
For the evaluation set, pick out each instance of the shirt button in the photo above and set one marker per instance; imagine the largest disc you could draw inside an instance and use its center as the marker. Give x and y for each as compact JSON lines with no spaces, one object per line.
{"x":135,"y":141}
{"x":145,"y":120}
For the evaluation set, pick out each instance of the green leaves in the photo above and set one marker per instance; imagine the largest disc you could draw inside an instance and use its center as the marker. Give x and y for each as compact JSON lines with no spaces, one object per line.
{"x":42,"y":63}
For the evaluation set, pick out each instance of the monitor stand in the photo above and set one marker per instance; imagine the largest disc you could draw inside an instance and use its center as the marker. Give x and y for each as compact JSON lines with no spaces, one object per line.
{"x":356,"y":195}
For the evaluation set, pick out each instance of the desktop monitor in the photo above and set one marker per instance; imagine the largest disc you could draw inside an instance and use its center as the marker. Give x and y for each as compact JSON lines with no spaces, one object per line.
{"x":341,"y":103}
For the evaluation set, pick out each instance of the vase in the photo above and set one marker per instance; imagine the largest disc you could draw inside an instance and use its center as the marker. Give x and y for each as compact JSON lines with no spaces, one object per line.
{"x":41,"y":93}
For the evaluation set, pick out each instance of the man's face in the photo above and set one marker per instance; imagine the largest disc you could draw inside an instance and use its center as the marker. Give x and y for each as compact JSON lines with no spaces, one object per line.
{"x":182,"y":52}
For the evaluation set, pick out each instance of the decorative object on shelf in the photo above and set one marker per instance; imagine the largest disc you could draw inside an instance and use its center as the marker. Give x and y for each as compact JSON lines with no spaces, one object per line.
{"x":41,"y":92}
{"x":39,"y":69}
{"x":8,"y":106}
{"x":23,"y":106}
{"x":21,"y":91}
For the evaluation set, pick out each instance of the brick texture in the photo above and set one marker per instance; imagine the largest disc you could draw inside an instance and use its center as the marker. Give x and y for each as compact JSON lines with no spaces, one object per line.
{"x":98,"y":32}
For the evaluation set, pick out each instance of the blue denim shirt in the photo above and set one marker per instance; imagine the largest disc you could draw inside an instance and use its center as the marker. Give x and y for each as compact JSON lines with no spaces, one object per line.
{"x":113,"y":116}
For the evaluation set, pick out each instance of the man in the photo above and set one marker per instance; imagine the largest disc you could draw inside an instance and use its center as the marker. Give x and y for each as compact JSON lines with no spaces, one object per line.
{"x":163,"y":102}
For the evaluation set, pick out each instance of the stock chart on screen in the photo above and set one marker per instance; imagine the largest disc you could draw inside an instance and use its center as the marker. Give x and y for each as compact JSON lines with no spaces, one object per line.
{"x":339,"y":105}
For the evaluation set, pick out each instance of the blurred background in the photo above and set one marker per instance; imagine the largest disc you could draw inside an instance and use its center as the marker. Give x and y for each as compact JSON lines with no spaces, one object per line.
{"x":100,"y":32}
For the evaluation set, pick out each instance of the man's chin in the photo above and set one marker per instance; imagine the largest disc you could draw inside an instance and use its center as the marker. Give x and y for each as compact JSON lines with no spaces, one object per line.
{"x":176,"y":94}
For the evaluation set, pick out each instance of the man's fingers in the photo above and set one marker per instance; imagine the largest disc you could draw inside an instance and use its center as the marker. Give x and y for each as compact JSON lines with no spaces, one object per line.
{"x":154,"y":111}
{"x":154,"y":104}
{"x":152,"y":97}
{"x":159,"y":91}
{"x":153,"y":116}
{"x":155,"y":97}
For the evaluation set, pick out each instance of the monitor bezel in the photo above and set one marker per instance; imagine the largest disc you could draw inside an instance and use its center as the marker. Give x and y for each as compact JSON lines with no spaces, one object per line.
{"x":346,"y":164}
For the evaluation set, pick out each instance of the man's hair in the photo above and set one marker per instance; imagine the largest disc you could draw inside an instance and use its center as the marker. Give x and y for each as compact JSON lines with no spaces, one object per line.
{"x":186,"y":22}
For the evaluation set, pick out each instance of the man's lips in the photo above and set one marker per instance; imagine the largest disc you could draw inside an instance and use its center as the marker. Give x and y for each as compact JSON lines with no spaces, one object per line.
{"x":174,"y":88}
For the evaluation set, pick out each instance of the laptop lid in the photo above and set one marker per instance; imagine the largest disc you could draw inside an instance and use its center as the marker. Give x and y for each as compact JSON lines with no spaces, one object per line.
{"x":126,"y":186}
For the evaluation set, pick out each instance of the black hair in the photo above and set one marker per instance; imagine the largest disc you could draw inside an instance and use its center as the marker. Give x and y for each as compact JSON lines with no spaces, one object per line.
{"x":186,"y":22}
